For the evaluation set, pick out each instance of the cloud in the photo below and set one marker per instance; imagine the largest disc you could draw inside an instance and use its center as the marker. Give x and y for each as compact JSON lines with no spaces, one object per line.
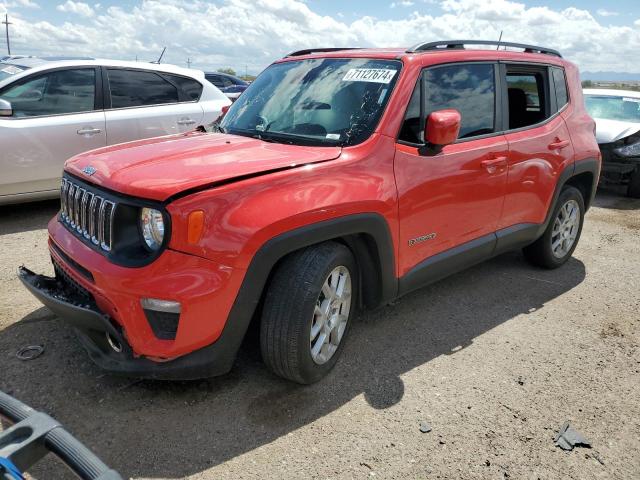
{"x":17,"y":4}
{"x":607,"y":13}
{"x":238,"y":33}
{"x":79,"y":8}
{"x":403,"y":3}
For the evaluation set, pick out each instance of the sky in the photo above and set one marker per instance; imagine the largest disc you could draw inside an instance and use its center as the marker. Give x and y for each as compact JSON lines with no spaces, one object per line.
{"x":247,"y":35}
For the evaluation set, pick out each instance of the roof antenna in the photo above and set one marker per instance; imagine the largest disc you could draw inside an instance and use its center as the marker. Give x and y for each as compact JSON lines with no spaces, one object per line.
{"x":499,"y":40}
{"x":161,"y":55}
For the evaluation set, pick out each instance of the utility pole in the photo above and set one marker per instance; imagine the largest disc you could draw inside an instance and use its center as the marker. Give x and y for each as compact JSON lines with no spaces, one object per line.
{"x":188,"y":62}
{"x":6,"y":24}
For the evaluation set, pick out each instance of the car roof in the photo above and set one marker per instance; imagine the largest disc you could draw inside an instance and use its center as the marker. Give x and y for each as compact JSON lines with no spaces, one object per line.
{"x":441,"y":52}
{"x":36,"y":64}
{"x":610,"y":92}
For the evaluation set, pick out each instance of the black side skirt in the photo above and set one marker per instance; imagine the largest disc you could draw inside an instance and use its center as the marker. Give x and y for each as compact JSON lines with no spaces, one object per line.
{"x":468,"y":254}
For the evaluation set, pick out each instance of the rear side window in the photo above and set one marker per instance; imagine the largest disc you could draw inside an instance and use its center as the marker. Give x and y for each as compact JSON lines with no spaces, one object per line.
{"x":135,"y":88}
{"x":191,"y":88}
{"x":55,"y":93}
{"x":526,"y":97}
{"x":468,"y":88}
{"x":560,"y":83}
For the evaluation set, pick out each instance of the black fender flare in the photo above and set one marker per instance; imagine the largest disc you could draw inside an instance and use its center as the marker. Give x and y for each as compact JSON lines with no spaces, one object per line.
{"x":587,"y":165}
{"x":351,"y":229}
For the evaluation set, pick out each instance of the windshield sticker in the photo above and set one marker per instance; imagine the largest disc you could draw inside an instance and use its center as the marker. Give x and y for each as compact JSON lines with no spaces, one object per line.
{"x":11,"y":70}
{"x":374,"y":75}
{"x":629,"y":99}
{"x":333,"y":136}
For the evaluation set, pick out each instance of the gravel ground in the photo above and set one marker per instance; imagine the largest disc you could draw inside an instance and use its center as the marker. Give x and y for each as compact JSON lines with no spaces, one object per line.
{"x":494,"y":359}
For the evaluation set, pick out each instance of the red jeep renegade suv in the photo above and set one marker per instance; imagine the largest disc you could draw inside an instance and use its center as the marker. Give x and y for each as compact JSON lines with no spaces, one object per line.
{"x":340,"y":179}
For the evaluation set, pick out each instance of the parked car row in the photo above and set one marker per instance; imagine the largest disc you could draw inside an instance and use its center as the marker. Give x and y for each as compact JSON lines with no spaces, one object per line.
{"x":51,"y":110}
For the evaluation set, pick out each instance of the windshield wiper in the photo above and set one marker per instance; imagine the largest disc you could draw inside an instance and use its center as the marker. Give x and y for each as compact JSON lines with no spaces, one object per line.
{"x":283,"y":138}
{"x":272,"y":139}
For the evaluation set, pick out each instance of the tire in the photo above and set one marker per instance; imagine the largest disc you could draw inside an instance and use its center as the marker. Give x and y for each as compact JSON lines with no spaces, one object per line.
{"x":297,"y":296}
{"x":633,"y":190}
{"x":542,"y":252}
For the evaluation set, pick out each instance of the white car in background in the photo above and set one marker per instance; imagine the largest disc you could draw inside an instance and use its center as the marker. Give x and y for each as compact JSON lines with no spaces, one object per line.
{"x":617,"y":116}
{"x":53,"y":110}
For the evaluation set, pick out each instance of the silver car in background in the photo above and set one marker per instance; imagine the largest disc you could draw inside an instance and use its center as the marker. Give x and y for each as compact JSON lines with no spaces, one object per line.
{"x":617,"y":116}
{"x":53,"y":110}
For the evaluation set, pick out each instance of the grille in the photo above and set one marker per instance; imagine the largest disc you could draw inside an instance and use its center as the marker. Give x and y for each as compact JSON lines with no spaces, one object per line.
{"x":70,"y":284}
{"x":87,"y":214}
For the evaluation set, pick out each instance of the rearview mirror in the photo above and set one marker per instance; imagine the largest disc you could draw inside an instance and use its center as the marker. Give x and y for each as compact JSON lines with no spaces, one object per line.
{"x":5,"y":108}
{"x":442,"y":128}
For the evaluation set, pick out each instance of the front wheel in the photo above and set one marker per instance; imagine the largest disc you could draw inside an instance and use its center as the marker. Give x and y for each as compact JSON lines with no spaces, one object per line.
{"x":307,"y":312}
{"x":561,"y":237}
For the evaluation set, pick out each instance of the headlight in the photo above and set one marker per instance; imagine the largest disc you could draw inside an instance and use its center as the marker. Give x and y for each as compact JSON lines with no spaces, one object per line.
{"x":631,"y":148}
{"x":152,"y":226}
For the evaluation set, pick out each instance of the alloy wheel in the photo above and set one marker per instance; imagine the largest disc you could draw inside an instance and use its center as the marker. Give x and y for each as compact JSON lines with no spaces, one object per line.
{"x":565,"y":229}
{"x":330,"y":315}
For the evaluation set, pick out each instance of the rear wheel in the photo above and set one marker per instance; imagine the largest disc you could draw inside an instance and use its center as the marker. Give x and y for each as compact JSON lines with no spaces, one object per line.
{"x":307,"y":312}
{"x":561,"y":237}
{"x":633,"y":190}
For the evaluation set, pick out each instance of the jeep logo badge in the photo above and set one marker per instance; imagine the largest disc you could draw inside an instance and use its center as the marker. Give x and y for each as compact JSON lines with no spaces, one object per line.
{"x":89,"y":170}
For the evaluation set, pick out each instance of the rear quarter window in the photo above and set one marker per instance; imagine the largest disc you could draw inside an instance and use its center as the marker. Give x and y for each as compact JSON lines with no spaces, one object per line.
{"x":191,"y":89}
{"x":136,"y":88}
{"x":560,"y":83}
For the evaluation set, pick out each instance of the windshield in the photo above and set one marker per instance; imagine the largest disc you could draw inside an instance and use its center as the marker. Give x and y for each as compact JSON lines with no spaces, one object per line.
{"x":624,"y":109}
{"x":7,"y":70}
{"x":325,"y":101}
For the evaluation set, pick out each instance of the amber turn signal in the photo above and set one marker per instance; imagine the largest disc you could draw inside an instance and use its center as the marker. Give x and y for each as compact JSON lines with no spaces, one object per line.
{"x":195,"y":226}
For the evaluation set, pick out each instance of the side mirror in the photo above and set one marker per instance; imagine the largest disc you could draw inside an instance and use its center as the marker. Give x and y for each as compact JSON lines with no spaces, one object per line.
{"x":442,"y":128}
{"x":5,"y":108}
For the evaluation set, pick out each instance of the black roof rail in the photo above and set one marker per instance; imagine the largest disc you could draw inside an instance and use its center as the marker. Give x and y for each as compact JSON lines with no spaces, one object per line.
{"x":459,"y":44}
{"x":307,"y":51}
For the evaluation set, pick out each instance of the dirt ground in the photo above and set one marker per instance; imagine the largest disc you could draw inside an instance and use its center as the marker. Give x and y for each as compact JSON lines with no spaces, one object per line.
{"x":495,"y":359}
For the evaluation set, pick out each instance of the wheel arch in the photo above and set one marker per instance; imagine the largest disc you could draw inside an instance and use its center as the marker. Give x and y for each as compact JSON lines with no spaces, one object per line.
{"x":368,"y":237}
{"x":583,"y":175}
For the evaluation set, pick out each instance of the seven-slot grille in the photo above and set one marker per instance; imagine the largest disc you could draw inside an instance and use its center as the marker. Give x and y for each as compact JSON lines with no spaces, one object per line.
{"x":86,"y":213}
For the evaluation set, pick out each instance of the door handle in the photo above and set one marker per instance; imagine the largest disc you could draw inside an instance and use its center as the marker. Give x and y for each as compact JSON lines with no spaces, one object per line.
{"x":186,"y":121}
{"x":492,"y":164}
{"x":89,"y":131}
{"x":558,"y":144}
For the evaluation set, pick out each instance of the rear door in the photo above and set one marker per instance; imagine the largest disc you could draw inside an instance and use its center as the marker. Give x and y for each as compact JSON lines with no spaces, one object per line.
{"x":539,"y":143}
{"x":453,"y":197}
{"x":144,"y":104}
{"x":56,"y":115}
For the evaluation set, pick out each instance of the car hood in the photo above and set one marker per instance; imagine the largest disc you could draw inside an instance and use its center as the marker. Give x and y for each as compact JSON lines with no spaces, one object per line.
{"x":608,"y":131}
{"x":161,"y":167}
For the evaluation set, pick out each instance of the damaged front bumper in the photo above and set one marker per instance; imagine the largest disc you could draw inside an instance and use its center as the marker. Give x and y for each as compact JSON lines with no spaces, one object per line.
{"x":617,"y":168}
{"x":103,"y":339}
